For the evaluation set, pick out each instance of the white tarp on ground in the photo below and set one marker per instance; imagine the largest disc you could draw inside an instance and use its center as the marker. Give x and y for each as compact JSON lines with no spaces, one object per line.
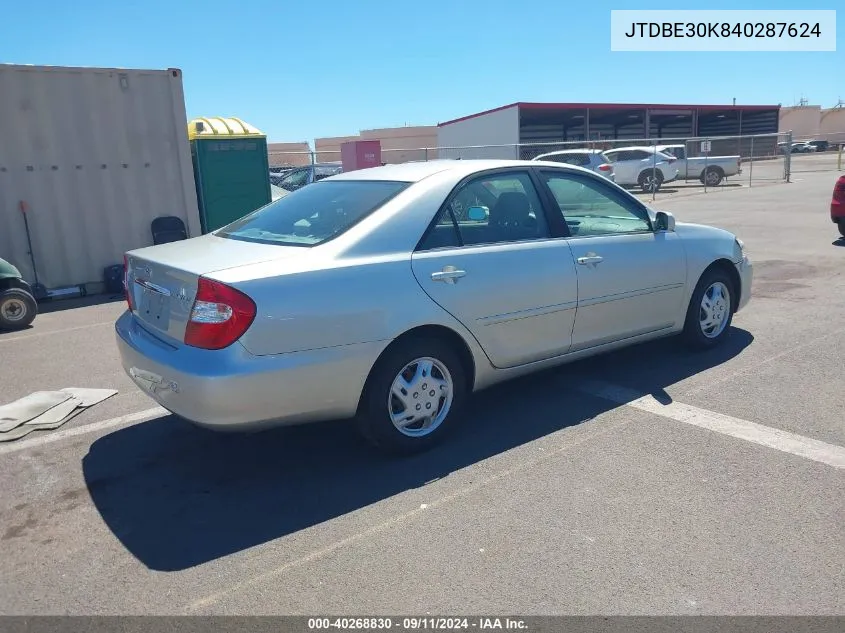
{"x":45,"y":410}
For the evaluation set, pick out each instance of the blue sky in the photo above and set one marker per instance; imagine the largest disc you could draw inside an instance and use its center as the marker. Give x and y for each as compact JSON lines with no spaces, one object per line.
{"x":304,"y":69}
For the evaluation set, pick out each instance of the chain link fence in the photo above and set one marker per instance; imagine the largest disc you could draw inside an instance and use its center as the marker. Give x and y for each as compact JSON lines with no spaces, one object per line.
{"x":672,"y":165}
{"x":820,"y":153}
{"x":650,"y":166}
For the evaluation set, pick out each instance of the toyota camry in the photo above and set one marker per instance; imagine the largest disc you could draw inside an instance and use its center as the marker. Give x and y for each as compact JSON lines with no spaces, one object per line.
{"x":388,"y":295}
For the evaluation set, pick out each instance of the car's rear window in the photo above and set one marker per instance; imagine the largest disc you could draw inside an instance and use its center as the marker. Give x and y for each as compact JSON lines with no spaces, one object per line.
{"x":313,"y":214}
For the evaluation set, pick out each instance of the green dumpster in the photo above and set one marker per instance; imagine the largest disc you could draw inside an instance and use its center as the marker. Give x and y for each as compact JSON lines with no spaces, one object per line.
{"x":231,"y":169}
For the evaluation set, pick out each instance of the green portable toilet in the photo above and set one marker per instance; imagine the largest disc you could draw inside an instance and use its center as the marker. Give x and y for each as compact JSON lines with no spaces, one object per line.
{"x":231,"y":169}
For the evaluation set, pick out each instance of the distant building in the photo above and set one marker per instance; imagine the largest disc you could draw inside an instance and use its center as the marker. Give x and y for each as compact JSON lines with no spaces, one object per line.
{"x":398,"y":144}
{"x":809,"y":122}
{"x":289,"y":154}
{"x":518,"y":129}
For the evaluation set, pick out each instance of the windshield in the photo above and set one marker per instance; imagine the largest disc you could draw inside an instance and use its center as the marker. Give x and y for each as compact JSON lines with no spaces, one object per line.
{"x":293,"y":180}
{"x":314,"y":214}
{"x":324,"y":171}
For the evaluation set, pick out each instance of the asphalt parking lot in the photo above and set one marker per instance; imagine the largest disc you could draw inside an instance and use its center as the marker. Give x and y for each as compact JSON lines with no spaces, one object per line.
{"x":562,"y":493}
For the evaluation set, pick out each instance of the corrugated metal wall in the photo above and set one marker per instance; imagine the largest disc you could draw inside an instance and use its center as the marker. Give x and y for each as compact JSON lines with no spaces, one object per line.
{"x":95,"y":154}
{"x":498,"y":129}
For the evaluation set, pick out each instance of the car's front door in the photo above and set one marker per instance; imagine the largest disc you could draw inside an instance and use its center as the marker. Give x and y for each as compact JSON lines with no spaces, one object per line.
{"x":490,"y":261}
{"x":631,"y":278}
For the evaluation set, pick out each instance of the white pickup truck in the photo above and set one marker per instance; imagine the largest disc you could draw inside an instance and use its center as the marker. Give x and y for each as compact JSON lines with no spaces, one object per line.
{"x":717,"y":167}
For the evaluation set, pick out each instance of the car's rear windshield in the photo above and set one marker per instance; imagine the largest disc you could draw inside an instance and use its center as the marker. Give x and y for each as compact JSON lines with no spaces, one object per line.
{"x":313,"y":214}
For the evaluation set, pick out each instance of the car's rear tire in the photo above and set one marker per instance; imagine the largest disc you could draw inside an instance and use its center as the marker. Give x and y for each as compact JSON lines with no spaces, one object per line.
{"x":842,"y":227}
{"x":412,"y":396}
{"x":712,"y":176}
{"x":17,"y":309}
{"x":650,"y":180}
{"x":711,"y":309}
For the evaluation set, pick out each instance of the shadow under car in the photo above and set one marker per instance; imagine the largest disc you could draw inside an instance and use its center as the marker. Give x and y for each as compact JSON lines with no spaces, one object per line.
{"x":177,"y":496}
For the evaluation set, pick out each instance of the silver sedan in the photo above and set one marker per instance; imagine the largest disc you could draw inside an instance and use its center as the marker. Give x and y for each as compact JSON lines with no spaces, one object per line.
{"x":388,"y":295}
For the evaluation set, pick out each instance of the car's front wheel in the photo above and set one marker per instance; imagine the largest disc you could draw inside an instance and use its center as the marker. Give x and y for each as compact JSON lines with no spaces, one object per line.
{"x":412,"y":396}
{"x":17,"y":309}
{"x":710,"y":311}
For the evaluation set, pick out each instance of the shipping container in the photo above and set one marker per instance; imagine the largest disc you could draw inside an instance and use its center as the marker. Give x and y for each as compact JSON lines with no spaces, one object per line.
{"x":92,"y":155}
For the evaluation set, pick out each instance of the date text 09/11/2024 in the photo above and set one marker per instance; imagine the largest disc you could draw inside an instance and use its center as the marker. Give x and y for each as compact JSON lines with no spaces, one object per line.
{"x":418,"y":624}
{"x":723,"y":29}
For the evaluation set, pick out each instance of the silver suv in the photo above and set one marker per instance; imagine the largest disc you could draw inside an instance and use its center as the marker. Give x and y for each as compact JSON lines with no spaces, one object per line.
{"x":592,"y":159}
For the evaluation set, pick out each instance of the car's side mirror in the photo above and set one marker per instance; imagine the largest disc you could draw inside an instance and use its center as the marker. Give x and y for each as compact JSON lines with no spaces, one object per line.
{"x":478,"y":214}
{"x":664,"y":221}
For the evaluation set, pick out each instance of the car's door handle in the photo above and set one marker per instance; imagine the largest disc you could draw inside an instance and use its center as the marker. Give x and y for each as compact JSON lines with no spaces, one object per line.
{"x":590,"y":259}
{"x":449,"y":274}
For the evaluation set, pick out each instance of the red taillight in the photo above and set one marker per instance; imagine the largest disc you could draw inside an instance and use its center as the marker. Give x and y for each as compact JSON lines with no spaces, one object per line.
{"x":126,"y":292}
{"x":605,"y":167}
{"x":219,"y":317}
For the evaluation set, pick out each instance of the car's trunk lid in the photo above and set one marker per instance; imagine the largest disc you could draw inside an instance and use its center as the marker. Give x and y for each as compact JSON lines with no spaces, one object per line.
{"x":162,"y":280}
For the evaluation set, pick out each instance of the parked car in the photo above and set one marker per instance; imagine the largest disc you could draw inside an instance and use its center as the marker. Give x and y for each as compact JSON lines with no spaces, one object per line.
{"x":803,"y":148}
{"x":18,"y":307}
{"x":592,"y":159}
{"x":300,"y":176}
{"x":277,"y":173}
{"x":820,"y":145}
{"x":837,"y":205}
{"x":363,"y":296}
{"x":710,"y":170}
{"x":638,"y":166}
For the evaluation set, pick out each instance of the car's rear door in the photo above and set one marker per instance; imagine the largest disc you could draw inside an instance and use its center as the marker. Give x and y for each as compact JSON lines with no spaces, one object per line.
{"x":625,"y":165}
{"x":631,"y":278}
{"x":490,"y":260}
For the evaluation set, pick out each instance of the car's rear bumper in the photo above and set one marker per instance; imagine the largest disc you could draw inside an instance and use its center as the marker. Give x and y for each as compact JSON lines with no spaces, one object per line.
{"x":746,"y":274}
{"x":231,"y":389}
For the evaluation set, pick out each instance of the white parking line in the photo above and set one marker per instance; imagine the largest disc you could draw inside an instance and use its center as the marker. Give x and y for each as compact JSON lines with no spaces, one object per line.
{"x":24,"y":337}
{"x":806,"y":447}
{"x":127,"y":419}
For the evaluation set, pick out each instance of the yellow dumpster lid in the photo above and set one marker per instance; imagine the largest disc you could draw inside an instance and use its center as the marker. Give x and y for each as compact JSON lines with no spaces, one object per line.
{"x":217,"y":126}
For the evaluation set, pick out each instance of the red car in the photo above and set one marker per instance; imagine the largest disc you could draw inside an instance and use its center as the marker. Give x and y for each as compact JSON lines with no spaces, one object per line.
{"x":837,"y":205}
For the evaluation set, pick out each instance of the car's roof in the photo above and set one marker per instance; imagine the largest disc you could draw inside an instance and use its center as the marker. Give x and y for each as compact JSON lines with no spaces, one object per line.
{"x":573,"y":151}
{"x":414,"y":172}
{"x":646,"y":148}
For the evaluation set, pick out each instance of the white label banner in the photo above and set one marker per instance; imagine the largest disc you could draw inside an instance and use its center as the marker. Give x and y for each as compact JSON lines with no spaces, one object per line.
{"x":723,"y":30}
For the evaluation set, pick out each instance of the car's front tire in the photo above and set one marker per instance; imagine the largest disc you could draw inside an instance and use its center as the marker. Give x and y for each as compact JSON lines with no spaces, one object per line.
{"x":412,"y":396}
{"x":710,"y":310}
{"x":18,"y":309}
